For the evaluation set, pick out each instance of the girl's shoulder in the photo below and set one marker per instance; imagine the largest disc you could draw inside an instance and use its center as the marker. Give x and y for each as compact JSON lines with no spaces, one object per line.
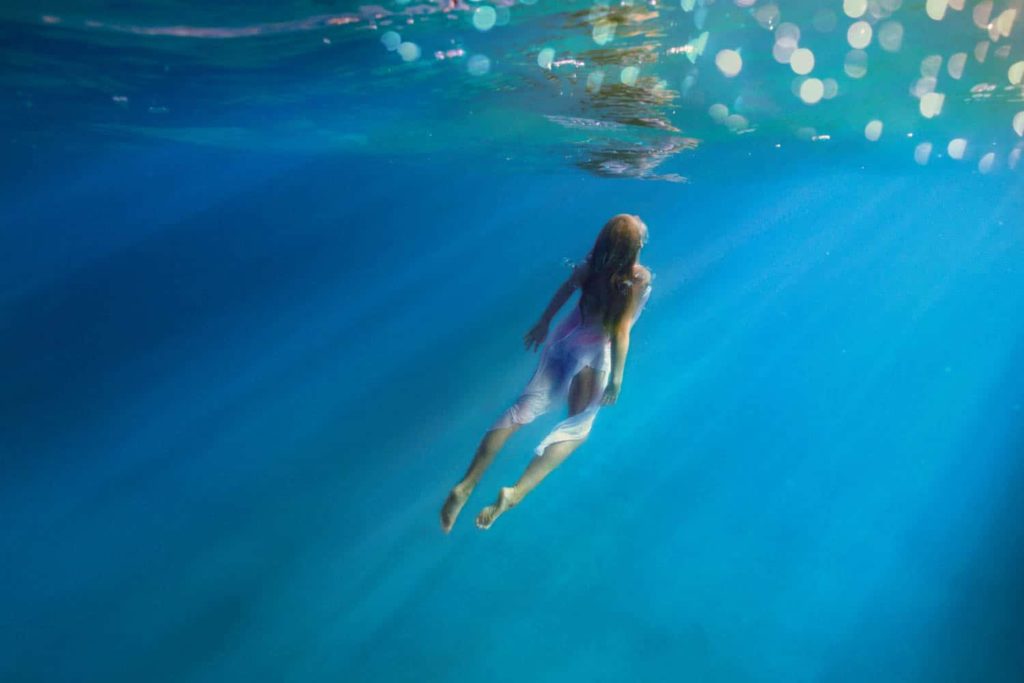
{"x":580,"y":271}
{"x":641,"y":275}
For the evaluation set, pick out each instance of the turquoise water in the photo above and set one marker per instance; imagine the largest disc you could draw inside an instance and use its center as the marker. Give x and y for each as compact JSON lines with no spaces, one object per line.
{"x":265,"y":281}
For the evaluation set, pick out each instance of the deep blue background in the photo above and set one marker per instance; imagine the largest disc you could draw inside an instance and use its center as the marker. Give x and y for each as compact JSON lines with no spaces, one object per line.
{"x":237,"y":388}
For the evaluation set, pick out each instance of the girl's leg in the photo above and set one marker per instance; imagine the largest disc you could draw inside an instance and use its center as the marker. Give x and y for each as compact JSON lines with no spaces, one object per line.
{"x":581,"y":391}
{"x":490,"y":444}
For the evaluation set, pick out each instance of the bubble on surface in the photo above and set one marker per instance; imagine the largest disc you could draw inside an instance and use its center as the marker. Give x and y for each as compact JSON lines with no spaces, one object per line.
{"x":545,"y":57}
{"x":1014,"y":157}
{"x":856,"y":63}
{"x":956,"y":148}
{"x":890,"y":36}
{"x":484,"y":18}
{"x":629,"y":75}
{"x":831,"y":88}
{"x":855,"y":9}
{"x":391,"y":40}
{"x":859,"y":35}
{"x":873,"y":130}
{"x":987,"y":162}
{"x":931,"y":104}
{"x":922,"y":153}
{"x":594,"y":81}
{"x":811,"y":91}
{"x":409,"y":52}
{"x":478,"y":65}
{"x":956,"y":4}
{"x":718,"y":112}
{"x":936,"y":9}
{"x":802,"y":61}
{"x":824,"y":20}
{"x":729,"y":62}
{"x":1016,"y":73}
{"x":504,"y":15}
{"x":955,"y":65}
{"x":1018,"y":123}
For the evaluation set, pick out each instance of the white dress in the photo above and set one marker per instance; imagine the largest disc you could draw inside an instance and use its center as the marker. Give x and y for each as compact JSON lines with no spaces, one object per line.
{"x":573,"y":346}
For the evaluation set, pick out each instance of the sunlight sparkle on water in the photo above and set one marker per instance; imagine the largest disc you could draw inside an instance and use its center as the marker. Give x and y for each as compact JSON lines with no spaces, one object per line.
{"x":931,"y":104}
{"x":936,"y":9}
{"x":856,"y":64}
{"x":1004,"y":23}
{"x":409,"y":52}
{"x":859,"y":35}
{"x":981,"y":13}
{"x":923,"y":86}
{"x":824,"y":20}
{"x":788,"y":30}
{"x":729,"y":62}
{"x":478,"y":65}
{"x":391,"y":40}
{"x":956,"y":148}
{"x":812,"y":90}
{"x":873,"y":130}
{"x":931,"y":65}
{"x":603,"y":32}
{"x":802,"y":61}
{"x":736,"y":122}
{"x":484,"y":18}
{"x":922,"y":152}
{"x":767,"y":16}
{"x":986,"y":162}
{"x":890,"y":36}
{"x":955,"y":65}
{"x":1016,"y":73}
{"x":718,"y":112}
{"x":855,"y":8}
{"x":545,"y":57}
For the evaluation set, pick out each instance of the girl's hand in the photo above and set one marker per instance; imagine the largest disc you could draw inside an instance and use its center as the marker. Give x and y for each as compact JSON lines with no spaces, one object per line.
{"x":535,"y":337}
{"x":611,"y":393}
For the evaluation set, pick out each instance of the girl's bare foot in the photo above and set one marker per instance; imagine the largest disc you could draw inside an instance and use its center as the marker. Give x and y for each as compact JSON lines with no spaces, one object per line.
{"x":506,"y":499}
{"x":450,"y":511}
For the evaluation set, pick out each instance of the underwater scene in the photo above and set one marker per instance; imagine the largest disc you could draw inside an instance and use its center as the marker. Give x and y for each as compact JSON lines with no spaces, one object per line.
{"x":269,"y":269}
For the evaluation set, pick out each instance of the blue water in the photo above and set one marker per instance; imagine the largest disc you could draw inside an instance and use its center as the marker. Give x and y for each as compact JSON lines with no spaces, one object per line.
{"x":240,"y":375}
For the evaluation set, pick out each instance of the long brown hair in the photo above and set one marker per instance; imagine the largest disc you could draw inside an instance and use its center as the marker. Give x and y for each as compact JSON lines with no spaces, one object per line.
{"x":608,"y":280}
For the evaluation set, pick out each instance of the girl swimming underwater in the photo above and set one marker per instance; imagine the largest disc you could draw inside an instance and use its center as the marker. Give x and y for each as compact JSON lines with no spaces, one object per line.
{"x":582,"y":363}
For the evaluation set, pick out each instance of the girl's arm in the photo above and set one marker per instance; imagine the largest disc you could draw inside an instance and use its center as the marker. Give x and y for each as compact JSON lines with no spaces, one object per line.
{"x":539,"y":331}
{"x":620,"y":338}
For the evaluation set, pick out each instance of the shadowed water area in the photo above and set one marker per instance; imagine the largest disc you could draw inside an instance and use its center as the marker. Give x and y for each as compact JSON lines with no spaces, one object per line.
{"x":266,"y":269}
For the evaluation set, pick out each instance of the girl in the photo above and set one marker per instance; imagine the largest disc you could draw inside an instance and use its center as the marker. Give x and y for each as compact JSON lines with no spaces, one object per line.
{"x":583,"y":362}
